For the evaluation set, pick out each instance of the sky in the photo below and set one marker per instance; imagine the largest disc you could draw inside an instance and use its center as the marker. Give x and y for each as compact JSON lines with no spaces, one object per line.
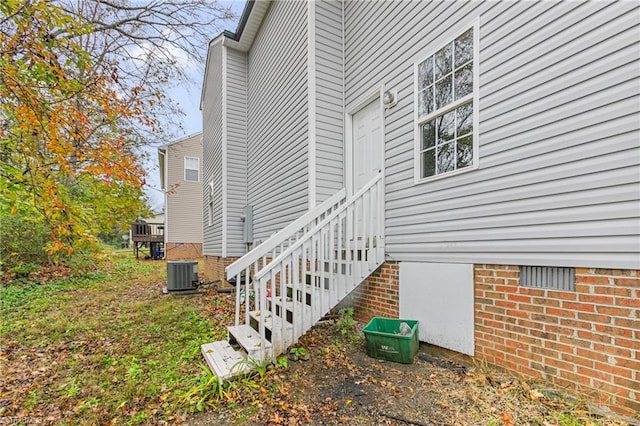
{"x":188,"y":97}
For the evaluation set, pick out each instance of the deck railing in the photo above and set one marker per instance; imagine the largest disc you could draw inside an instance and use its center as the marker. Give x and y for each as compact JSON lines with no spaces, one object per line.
{"x":145,"y":232}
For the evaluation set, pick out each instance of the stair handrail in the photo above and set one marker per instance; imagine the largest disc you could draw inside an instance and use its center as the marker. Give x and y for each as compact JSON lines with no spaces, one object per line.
{"x":284,"y":234}
{"x":282,"y":256}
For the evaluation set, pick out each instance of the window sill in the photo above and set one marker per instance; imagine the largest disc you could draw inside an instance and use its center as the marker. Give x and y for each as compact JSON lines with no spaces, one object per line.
{"x":418,"y":181}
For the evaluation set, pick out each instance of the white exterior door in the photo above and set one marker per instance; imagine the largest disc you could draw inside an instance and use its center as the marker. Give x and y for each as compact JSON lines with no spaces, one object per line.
{"x":367,"y":144}
{"x":367,"y":157}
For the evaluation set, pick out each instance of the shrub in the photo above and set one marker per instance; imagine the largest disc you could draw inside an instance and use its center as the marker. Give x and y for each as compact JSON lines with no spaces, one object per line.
{"x":22,"y":242}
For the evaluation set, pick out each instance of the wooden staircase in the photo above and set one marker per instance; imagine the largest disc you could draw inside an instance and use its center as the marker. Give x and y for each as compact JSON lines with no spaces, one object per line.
{"x":297,"y":276}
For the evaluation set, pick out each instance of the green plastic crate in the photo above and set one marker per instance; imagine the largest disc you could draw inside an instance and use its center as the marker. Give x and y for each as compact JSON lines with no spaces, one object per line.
{"x":384,"y":340}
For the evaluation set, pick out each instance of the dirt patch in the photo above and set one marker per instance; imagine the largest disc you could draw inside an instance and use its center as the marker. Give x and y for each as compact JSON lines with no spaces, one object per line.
{"x":341,"y":385}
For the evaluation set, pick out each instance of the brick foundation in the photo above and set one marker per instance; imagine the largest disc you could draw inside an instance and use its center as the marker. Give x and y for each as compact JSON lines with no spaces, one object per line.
{"x":214,"y":267}
{"x":377,"y":296}
{"x":183,"y":251}
{"x":589,"y":338}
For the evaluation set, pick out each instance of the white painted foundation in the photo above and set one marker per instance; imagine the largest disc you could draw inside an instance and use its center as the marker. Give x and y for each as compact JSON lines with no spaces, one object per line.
{"x":440,"y":296}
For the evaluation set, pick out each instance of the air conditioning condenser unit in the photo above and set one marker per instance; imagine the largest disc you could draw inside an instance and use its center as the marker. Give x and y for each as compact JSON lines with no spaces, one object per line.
{"x":182,"y":275}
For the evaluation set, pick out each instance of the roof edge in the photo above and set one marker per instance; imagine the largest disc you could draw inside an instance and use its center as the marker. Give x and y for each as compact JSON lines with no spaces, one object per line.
{"x":242,"y":23}
{"x":183,"y":138}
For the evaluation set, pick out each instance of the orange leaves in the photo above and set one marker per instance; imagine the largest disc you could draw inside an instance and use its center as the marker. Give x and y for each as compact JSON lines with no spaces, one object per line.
{"x":114,"y":163}
{"x":276,"y":419}
{"x":55,"y":247}
{"x":64,"y":148}
{"x":506,"y":419}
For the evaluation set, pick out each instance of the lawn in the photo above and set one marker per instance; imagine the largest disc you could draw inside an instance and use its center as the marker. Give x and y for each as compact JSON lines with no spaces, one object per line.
{"x":109,"y":347}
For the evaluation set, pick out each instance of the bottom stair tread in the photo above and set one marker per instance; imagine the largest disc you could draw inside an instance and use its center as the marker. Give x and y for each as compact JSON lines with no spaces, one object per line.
{"x":246,"y":337}
{"x":224,"y":360}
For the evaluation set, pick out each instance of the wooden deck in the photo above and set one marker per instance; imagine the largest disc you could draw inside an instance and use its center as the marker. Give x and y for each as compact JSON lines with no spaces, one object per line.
{"x":148,"y":235}
{"x":143,"y":232}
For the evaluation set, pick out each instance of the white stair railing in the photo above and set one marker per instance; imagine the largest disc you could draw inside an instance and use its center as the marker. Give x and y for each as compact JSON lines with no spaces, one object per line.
{"x":306,"y":269}
{"x":274,"y":246}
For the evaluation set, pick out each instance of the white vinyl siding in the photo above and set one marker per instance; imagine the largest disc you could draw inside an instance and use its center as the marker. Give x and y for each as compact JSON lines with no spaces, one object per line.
{"x":329,"y":110}
{"x":236,"y":140}
{"x":277,"y":126}
{"x":212,"y":152}
{"x":209,"y":214}
{"x":184,"y":201}
{"x":557,"y":182}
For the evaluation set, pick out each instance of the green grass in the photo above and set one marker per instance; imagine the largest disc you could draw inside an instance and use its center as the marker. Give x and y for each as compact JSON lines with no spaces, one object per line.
{"x":108,"y":346}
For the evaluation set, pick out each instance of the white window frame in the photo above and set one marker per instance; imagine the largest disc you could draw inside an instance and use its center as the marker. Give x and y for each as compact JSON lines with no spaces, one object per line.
{"x":473,"y":96}
{"x":186,"y":160}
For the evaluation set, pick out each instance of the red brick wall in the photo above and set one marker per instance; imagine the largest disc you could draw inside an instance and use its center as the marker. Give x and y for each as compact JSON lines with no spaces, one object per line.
{"x":183,"y":251}
{"x":214,"y":267}
{"x":589,"y":338}
{"x":377,"y":296}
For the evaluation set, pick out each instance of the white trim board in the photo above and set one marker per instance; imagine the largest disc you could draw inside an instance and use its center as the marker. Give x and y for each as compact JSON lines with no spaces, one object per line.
{"x":311,"y":99}
{"x":224,"y":151}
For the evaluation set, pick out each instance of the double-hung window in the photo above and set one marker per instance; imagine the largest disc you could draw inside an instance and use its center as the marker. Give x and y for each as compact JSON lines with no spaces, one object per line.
{"x":191,"y":169}
{"x":445,"y":108}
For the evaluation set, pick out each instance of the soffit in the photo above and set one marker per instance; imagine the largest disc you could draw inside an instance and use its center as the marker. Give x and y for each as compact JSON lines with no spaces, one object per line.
{"x":248,"y":27}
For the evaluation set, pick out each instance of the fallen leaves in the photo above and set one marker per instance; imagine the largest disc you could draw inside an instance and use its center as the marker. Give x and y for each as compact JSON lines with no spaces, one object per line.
{"x":90,"y":355}
{"x":338,"y":385}
{"x":506,"y":419}
{"x":276,"y":419}
{"x":41,"y":275}
{"x":535,"y":394}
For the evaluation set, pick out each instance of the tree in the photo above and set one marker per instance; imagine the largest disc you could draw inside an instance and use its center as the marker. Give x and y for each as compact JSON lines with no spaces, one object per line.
{"x":81,"y":91}
{"x":58,"y":135}
{"x":147,"y":47}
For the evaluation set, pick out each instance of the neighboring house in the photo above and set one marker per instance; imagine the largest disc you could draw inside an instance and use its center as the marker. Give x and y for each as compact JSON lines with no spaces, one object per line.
{"x":156,"y":218}
{"x":181,"y":181}
{"x":498,"y":147}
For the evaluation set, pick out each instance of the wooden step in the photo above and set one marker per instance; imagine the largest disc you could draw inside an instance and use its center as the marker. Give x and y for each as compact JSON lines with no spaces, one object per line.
{"x":269,"y":321}
{"x":273,"y":329}
{"x":308,"y":291}
{"x":223,"y":360}
{"x":249,"y":339}
{"x":289,"y":307}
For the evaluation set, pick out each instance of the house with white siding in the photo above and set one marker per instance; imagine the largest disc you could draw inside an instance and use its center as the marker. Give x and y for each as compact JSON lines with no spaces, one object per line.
{"x":181,"y":181}
{"x":472,"y":165}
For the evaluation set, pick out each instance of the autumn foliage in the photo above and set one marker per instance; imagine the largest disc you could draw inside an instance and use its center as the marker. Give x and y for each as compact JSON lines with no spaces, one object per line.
{"x":67,"y":161}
